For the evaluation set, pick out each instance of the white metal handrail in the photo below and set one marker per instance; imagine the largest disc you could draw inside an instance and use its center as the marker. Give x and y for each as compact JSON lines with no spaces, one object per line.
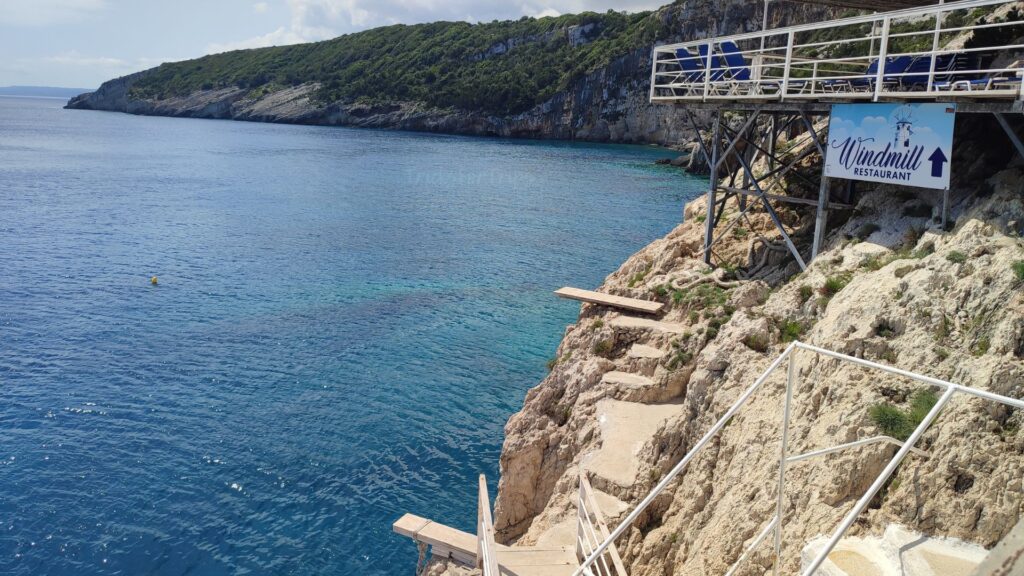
{"x":775,"y":524}
{"x":591,"y":529}
{"x":781,"y":64}
{"x":486,"y":549}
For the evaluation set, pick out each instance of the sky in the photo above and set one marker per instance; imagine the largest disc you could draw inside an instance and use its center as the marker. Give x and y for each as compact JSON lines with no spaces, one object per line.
{"x":81,"y":43}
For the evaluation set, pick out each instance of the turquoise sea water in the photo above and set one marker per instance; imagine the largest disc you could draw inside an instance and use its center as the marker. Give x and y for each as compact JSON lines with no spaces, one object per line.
{"x":343,"y":323}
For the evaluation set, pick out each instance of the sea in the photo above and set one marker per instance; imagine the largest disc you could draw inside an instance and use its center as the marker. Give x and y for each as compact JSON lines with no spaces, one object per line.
{"x":242,"y":348}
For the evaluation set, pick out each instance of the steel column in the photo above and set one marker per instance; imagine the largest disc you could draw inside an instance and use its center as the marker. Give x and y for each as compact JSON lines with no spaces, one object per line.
{"x":709,"y":229}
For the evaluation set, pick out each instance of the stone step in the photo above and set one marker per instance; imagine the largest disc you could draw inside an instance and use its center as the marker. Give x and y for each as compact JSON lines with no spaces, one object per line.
{"x":626,"y":379}
{"x":625,"y":428}
{"x":634,"y":323}
{"x":643,"y":351}
{"x":612,"y":508}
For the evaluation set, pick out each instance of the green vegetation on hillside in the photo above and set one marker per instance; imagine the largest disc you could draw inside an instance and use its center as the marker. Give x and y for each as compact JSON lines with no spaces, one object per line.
{"x":497,"y":67}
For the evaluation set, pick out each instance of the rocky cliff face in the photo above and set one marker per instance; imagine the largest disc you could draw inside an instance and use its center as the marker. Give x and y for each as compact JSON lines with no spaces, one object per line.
{"x":891,"y":287}
{"x":607,"y":105}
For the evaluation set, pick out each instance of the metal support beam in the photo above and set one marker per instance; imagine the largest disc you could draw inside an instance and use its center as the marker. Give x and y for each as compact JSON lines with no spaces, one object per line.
{"x":821,"y":218}
{"x":787,"y":199}
{"x":774,"y":216}
{"x":709,"y":230}
{"x":1009,"y":132}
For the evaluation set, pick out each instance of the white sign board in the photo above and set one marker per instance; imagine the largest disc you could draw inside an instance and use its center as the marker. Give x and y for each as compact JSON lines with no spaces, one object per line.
{"x":907,"y":144}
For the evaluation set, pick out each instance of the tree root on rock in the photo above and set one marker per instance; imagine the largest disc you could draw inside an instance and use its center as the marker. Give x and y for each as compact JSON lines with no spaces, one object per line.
{"x":691,"y":280}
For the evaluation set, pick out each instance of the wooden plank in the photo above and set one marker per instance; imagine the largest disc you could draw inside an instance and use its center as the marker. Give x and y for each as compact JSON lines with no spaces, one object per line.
{"x":513,"y":557}
{"x":439,"y":534}
{"x":409,"y":525}
{"x":598,"y":298}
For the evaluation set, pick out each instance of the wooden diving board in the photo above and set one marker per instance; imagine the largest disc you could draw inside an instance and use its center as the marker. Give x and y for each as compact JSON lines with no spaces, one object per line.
{"x":632,"y":304}
{"x":447,"y":542}
{"x":444,"y":541}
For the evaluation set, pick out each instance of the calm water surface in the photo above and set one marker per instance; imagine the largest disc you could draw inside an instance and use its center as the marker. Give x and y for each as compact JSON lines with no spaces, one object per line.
{"x":343,"y":323}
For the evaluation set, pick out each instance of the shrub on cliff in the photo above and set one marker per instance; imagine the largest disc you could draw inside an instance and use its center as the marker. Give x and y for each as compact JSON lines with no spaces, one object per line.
{"x":899,"y":423}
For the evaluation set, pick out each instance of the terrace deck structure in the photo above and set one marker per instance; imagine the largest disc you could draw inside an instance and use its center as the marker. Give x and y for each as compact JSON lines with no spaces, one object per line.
{"x":784,"y":81}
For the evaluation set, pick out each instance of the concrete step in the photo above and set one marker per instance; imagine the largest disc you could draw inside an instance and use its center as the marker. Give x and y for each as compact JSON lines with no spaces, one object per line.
{"x":626,"y":379}
{"x":625,"y":428}
{"x":642,"y":351}
{"x":634,"y":323}
{"x":612,"y":508}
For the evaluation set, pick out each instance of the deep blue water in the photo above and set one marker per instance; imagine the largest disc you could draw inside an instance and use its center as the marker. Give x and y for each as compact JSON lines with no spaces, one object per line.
{"x":343,"y":323}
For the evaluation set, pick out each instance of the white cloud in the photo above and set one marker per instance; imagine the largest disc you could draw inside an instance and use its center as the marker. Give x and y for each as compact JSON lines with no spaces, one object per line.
{"x":312,"y":20}
{"x":73,"y":58}
{"x":82,"y":69}
{"x":46,"y":12}
{"x":547,"y":12}
{"x":260,"y":7}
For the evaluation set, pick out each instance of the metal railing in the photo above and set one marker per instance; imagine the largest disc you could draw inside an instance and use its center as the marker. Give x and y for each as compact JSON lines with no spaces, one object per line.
{"x":840,"y":59}
{"x":486,"y":549}
{"x":774,"y":525}
{"x":591,"y":530}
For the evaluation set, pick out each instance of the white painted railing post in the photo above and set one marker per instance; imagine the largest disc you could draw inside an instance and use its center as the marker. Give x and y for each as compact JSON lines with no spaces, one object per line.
{"x":939,"y":17}
{"x":883,"y":53}
{"x":787,"y":66}
{"x":783,"y":450}
{"x":654,"y":72}
{"x":486,"y":550}
{"x":707,"y":67}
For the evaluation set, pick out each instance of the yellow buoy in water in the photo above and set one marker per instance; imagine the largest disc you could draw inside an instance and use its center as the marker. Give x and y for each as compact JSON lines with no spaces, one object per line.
{"x":153,"y":280}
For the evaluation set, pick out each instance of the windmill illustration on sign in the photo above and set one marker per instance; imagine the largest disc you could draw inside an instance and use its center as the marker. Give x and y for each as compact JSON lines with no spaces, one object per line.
{"x":904,"y":116}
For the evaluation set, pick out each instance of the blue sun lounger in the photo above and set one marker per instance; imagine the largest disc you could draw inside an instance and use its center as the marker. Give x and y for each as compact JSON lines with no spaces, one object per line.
{"x":894,"y":67}
{"x":1002,"y":80}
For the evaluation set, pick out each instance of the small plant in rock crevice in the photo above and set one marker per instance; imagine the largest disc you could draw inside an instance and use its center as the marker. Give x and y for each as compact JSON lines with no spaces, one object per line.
{"x":756,"y":342}
{"x":805,"y":293}
{"x":943,"y":328}
{"x":885,"y":329}
{"x":602,"y":347}
{"x":982,"y":346}
{"x":680,"y":357}
{"x":901,"y":423}
{"x":1018,"y":270}
{"x":834,"y":284}
{"x":639,"y":276}
{"x":791,"y":330}
{"x":956,"y":257}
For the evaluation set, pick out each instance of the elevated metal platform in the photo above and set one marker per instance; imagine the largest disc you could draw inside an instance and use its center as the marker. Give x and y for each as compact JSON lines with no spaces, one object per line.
{"x":771,"y":94}
{"x":966,"y":50}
